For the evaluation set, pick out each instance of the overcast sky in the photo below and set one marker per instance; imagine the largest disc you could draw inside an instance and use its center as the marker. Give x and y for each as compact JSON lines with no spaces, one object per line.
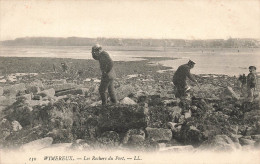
{"x":185,"y":19}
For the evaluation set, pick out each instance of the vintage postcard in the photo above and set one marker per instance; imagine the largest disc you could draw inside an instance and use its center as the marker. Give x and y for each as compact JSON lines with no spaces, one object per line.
{"x":121,"y":81}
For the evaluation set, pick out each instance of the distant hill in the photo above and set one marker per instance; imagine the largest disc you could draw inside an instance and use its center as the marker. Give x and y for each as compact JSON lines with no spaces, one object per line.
{"x":77,"y":41}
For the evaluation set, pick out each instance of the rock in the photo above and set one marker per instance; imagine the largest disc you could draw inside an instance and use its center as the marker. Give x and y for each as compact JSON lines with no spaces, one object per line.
{"x":234,"y":129}
{"x":24,"y":97}
{"x":98,"y":103}
{"x":134,"y":136}
{"x":120,"y":118}
{"x":244,"y":141}
{"x":37,"y":97}
{"x":162,"y":146}
{"x":187,"y":114}
{"x":124,"y":91}
{"x":12,"y":90}
{"x":128,"y":101}
{"x":33,"y":103}
{"x":61,"y":87}
{"x":256,"y":137}
{"x":175,"y":113}
{"x":142,"y":99}
{"x":173,"y":102}
{"x":229,"y":91}
{"x":33,"y":89}
{"x":155,"y":100}
{"x":134,"y":139}
{"x":177,"y":148}
{"x":109,"y":138}
{"x":72,"y":92}
{"x":36,"y":83}
{"x":172,"y":126}
{"x":49,"y":92}
{"x":16,"y":126}
{"x":37,"y":144}
{"x":6,"y":101}
{"x":181,"y":120}
{"x":5,"y":130}
{"x":1,"y":91}
{"x":159,"y":134}
{"x":253,"y":114}
{"x":219,"y":143}
{"x":80,"y":144}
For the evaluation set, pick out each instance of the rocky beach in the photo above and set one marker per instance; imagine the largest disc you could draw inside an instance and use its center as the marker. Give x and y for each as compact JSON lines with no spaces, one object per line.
{"x":41,"y":107}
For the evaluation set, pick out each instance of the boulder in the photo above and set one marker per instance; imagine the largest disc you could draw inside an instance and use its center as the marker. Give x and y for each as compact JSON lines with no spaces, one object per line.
{"x":16,"y":126}
{"x":36,"y":83}
{"x":72,"y":92}
{"x":12,"y":90}
{"x":128,"y":101}
{"x":48,"y":92}
{"x":187,"y":114}
{"x":120,"y":118}
{"x":159,"y":134}
{"x":230,"y":92}
{"x":61,"y":87}
{"x":253,"y":114}
{"x":218,"y":143}
{"x":33,"y":103}
{"x":190,"y":135}
{"x":172,"y":126}
{"x":244,"y":141}
{"x":24,"y":97}
{"x":6,"y":101}
{"x":79,"y":144}
{"x":173,"y":102}
{"x":37,"y":144}
{"x":33,"y":89}
{"x":109,"y":138}
{"x":175,"y":113}
{"x":134,"y":136}
{"x":124,"y":91}
{"x":5,"y":129}
{"x":135,"y":139}
{"x":256,"y":137}
{"x":37,"y":97}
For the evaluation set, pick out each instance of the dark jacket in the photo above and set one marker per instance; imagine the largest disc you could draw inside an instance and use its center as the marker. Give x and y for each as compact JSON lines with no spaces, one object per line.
{"x":106,"y":65}
{"x":181,"y":74}
{"x":251,"y":80}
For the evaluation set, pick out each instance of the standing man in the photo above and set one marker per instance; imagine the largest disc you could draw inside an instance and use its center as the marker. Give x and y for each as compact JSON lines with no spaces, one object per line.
{"x":180,"y":76}
{"x":108,"y":74}
{"x":251,"y":83}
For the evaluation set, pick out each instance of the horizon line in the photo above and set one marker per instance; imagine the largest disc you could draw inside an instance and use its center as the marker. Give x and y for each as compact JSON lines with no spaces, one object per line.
{"x":130,"y":38}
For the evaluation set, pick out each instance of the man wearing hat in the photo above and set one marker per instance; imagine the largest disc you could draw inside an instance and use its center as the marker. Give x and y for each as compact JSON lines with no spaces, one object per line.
{"x":251,"y":83}
{"x":108,"y":74}
{"x":180,"y":76}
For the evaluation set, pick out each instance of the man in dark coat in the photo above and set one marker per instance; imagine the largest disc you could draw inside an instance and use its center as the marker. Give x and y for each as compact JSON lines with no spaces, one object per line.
{"x":251,"y":83}
{"x":180,"y":76}
{"x":108,"y":74}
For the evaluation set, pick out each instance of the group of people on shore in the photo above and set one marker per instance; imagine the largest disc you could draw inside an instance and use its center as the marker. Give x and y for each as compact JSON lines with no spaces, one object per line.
{"x":179,"y":77}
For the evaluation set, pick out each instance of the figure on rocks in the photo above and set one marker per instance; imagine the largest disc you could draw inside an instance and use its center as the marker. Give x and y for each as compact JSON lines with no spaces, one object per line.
{"x":64,"y":67}
{"x":242,"y":82}
{"x":179,"y":79}
{"x":108,"y":74}
{"x":251,"y":83}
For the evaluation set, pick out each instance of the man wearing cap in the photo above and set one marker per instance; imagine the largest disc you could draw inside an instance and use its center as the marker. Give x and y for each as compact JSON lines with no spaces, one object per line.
{"x":180,"y":76}
{"x":108,"y":74}
{"x":251,"y":83}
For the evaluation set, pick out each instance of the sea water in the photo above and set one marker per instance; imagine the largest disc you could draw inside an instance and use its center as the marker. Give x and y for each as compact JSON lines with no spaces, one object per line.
{"x":229,"y":61}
